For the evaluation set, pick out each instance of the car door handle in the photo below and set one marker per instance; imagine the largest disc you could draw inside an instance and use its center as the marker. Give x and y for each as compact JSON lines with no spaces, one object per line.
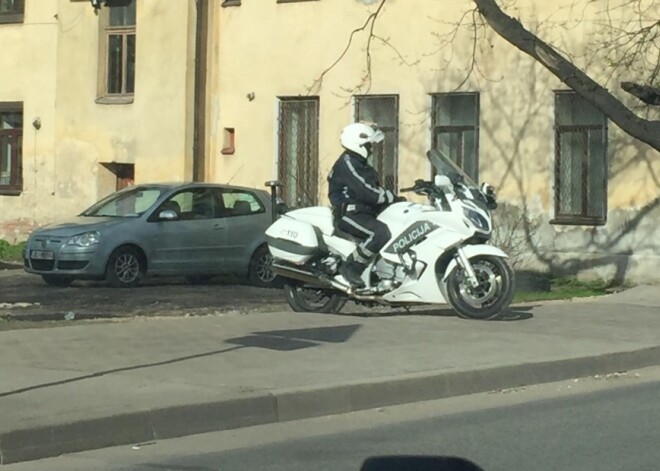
{"x":218,"y":227}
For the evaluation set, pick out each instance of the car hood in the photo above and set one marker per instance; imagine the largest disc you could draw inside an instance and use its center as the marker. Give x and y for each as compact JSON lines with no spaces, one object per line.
{"x":79,"y":225}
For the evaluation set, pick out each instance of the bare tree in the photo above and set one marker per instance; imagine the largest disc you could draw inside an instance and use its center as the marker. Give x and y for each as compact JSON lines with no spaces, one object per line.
{"x":629,"y":44}
{"x":514,"y":32}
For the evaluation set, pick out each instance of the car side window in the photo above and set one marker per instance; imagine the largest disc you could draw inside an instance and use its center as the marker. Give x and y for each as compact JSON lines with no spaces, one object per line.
{"x":193,"y":204}
{"x":241,"y":203}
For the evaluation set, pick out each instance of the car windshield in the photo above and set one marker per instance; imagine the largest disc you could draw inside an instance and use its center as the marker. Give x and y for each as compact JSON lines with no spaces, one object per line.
{"x":132,"y":202}
{"x":445,"y":166}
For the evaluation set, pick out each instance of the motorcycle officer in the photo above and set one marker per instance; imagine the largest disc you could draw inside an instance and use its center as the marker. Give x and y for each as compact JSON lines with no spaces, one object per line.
{"x":357,"y":198}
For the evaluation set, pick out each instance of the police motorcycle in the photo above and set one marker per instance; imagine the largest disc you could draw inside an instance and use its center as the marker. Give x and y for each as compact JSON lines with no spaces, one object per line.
{"x":437,"y":254}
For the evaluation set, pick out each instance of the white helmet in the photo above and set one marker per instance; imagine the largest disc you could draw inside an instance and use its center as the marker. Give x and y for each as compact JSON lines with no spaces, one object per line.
{"x":358,"y":137}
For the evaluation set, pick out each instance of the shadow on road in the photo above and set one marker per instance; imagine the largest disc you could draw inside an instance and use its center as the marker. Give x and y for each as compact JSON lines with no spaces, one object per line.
{"x":296,"y":339}
{"x":280,"y":340}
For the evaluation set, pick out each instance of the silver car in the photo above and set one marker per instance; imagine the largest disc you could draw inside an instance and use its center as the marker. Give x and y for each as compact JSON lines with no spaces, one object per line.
{"x":196,"y":230}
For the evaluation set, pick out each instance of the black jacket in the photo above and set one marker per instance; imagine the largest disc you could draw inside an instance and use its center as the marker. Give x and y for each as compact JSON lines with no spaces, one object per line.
{"x":353,"y":181}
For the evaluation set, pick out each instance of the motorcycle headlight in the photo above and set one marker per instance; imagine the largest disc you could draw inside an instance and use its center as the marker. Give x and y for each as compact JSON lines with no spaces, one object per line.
{"x":477,"y":219}
{"x":86,"y":239}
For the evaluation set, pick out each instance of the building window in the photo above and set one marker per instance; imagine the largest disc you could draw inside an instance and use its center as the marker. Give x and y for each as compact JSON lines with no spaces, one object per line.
{"x":11,"y":152}
{"x":580,"y":161}
{"x":11,"y":11}
{"x":455,"y":129}
{"x":118,"y":53}
{"x":384,"y":111}
{"x":298,"y":153}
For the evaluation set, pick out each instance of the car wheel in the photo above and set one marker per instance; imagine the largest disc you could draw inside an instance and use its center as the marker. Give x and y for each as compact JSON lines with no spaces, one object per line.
{"x":55,"y":280}
{"x":126,"y":267}
{"x":261,"y":269}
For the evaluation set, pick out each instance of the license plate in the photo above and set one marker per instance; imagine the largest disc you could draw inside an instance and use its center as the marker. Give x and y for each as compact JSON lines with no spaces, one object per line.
{"x":42,"y":254}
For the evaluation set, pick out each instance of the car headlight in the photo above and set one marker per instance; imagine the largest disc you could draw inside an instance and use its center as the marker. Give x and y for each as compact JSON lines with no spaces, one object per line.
{"x":476,"y":219}
{"x":86,"y":239}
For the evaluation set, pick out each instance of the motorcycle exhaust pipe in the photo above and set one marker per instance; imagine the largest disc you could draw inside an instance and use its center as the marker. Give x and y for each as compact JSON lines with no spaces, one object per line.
{"x":288,"y":271}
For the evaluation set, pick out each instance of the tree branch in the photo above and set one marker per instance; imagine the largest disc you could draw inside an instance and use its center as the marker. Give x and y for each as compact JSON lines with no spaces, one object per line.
{"x":316,"y":86}
{"x":649,"y":95}
{"x":513,"y":31}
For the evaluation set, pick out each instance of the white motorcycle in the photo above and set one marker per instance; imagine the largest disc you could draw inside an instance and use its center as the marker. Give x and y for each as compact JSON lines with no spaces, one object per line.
{"x":438,"y":252}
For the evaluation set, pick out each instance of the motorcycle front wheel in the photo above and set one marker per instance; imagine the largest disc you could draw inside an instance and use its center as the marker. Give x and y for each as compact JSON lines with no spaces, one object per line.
{"x":493,"y":294}
{"x":303,"y":298}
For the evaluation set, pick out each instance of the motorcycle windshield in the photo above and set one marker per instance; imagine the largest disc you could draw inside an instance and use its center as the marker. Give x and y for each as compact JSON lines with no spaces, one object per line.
{"x":445,"y":166}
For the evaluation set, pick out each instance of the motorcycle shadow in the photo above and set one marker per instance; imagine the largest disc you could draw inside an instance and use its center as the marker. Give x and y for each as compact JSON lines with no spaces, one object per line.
{"x":517,"y":313}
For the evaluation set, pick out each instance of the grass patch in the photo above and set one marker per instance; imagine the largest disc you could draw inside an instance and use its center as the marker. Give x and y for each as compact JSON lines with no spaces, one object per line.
{"x":11,"y":253}
{"x":567,"y":288}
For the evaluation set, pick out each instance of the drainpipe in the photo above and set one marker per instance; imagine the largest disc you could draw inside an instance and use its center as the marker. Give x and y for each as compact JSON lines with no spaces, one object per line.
{"x":199,"y":106}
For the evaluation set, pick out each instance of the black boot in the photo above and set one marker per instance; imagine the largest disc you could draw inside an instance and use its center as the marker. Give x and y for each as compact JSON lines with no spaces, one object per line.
{"x":352,"y":271}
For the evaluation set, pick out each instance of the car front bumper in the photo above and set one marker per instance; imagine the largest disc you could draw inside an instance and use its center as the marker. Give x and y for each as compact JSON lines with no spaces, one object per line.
{"x":67,"y":260}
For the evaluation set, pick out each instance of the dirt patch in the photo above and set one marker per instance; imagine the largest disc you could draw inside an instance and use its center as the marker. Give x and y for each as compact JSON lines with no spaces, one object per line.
{"x":26,"y":297}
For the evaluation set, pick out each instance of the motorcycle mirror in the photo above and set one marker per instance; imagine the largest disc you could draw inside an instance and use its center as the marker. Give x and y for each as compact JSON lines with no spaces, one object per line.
{"x":442,"y":181}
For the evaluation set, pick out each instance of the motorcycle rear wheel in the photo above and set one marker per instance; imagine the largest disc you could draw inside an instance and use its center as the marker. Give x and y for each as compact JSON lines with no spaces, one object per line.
{"x":493,"y":294}
{"x":302,"y":298}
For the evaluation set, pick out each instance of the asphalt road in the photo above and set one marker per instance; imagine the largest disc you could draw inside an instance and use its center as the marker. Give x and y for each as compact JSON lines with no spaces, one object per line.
{"x":594,"y":424}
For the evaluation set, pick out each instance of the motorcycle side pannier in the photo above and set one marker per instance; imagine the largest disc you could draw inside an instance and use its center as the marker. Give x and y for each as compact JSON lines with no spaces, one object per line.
{"x":292,"y":240}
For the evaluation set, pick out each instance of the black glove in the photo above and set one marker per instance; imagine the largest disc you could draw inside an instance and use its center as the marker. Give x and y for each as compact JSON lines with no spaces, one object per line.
{"x":489,"y":193}
{"x":400,"y":199}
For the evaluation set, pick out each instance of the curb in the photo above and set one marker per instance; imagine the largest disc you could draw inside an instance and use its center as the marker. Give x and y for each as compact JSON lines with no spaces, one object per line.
{"x":287,"y":405}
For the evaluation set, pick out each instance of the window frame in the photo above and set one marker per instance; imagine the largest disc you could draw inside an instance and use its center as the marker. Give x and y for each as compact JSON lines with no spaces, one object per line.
{"x":357,"y":99}
{"x":308,"y":192}
{"x":15,"y":186}
{"x":17,"y":16}
{"x":437,"y":129}
{"x":105,"y":33}
{"x":582,"y":219}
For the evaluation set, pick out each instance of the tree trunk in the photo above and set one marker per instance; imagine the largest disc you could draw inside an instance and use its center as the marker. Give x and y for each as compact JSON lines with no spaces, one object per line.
{"x":514,"y":32}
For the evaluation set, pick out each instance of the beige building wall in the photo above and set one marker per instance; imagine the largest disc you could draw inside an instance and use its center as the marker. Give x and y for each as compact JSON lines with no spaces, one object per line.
{"x":28,"y":65}
{"x":55,"y":53}
{"x":266,"y":50}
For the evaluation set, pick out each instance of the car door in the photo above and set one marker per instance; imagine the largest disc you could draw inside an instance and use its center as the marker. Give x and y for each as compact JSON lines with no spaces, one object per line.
{"x":246,"y":221}
{"x":193,"y":242}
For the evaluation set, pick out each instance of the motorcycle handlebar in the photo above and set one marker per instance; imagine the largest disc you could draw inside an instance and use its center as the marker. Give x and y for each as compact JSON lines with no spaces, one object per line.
{"x":418,"y":186}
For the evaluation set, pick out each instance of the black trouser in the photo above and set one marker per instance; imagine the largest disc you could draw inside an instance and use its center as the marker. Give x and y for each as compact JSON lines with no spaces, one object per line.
{"x":365,"y":226}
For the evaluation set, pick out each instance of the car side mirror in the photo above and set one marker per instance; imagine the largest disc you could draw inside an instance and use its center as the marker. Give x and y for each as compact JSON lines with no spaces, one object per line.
{"x":442,"y":181}
{"x":168,"y":215}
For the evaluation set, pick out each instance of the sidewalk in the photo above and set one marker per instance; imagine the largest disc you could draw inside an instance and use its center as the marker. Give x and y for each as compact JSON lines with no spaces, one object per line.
{"x":95,"y":385}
